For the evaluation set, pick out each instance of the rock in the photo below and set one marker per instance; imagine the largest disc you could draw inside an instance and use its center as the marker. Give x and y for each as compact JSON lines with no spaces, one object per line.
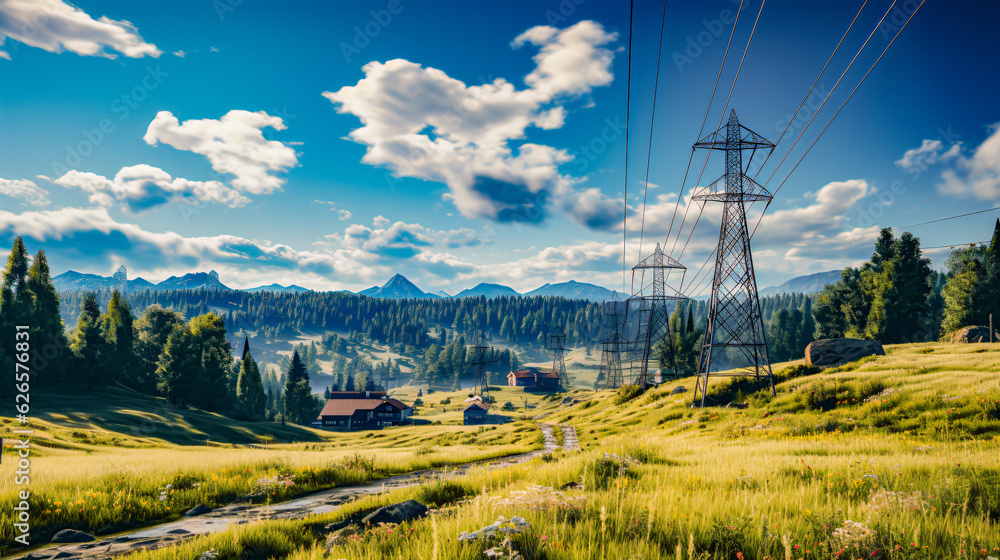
{"x":839,"y":351}
{"x":679,"y":389}
{"x":197,"y":510}
{"x":178,"y":532}
{"x":396,"y":513}
{"x":973,"y":334}
{"x":71,"y":536}
{"x":63,"y":554}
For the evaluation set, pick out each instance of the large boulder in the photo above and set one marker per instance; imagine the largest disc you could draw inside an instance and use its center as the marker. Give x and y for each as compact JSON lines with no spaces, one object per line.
{"x":396,"y":513}
{"x":972,"y":334}
{"x":71,"y":536}
{"x":832,"y":352}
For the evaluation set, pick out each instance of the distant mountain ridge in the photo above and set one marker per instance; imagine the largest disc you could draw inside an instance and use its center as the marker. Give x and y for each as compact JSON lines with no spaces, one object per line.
{"x":490,"y":291}
{"x":575,"y":290}
{"x":397,"y":287}
{"x":809,"y":284}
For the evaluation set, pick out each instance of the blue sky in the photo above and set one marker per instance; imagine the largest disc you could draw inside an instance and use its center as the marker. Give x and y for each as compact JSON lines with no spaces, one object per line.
{"x":334,"y":144}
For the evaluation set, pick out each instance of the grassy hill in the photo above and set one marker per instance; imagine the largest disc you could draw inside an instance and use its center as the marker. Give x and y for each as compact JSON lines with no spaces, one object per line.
{"x":890,"y":457}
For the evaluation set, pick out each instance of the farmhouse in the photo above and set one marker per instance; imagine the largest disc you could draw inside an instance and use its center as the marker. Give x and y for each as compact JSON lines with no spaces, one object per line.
{"x":476,"y":413}
{"x":533,"y":378}
{"x":350,"y":410}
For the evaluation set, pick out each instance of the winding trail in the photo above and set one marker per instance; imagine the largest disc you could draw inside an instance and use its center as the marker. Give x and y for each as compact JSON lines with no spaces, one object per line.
{"x":323,"y":501}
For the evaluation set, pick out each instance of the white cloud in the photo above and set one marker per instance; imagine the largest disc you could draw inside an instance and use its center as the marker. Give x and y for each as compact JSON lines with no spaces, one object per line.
{"x":143,"y":187}
{"x":342,"y":214}
{"x":4,"y":54}
{"x":234,"y":145}
{"x":90,"y":240}
{"x":401,"y":240}
{"x":421,"y":123}
{"x":978,"y":170}
{"x":929,"y":153}
{"x":25,"y":190}
{"x":569,"y":62}
{"x":55,"y":26}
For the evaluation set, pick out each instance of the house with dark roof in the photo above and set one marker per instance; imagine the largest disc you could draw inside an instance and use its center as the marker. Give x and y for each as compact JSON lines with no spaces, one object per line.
{"x":358,"y":410}
{"x":476,"y":413}
{"x":533,"y":378}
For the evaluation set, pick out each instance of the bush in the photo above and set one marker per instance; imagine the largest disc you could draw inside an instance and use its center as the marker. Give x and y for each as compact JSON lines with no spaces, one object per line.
{"x":626,"y":393}
{"x":418,"y":402}
{"x":508,"y":406}
{"x":442,"y":493}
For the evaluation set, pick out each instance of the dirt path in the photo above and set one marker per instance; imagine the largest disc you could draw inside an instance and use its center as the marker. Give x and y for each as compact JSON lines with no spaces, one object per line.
{"x":168,"y":534}
{"x":570,"y":442}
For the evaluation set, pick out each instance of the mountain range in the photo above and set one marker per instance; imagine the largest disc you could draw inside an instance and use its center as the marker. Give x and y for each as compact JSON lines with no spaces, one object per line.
{"x":399,"y":287}
{"x":804,"y":284}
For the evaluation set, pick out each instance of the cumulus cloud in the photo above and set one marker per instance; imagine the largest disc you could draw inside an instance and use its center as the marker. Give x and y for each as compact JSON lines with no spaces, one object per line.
{"x":421,"y":123}
{"x":977,"y":169}
{"x":143,"y":187}
{"x":91,"y":240}
{"x":342,"y":214}
{"x":26,"y":190}
{"x":56,"y":26}
{"x":234,"y":145}
{"x":928,"y":153}
{"x":401,"y":240}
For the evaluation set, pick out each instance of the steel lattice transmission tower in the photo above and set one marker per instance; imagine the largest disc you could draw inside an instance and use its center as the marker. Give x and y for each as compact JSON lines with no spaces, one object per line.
{"x":555,"y":343}
{"x":611,"y":361}
{"x":652,"y":301}
{"x":734,"y":318}
{"x":121,"y":279}
{"x":482,"y":354}
{"x":612,"y":344}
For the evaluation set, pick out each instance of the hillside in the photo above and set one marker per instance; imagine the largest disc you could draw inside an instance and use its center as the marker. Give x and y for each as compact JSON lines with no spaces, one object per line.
{"x":489,"y":291}
{"x":849,"y":459}
{"x":575,"y":290}
{"x":810,"y":284}
{"x":397,"y":287}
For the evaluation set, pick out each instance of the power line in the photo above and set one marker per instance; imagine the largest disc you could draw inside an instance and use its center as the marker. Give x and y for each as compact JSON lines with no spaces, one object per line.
{"x":628,"y":107}
{"x":721,"y":117}
{"x":844,"y":104}
{"x":951,"y":217}
{"x":827,"y":98}
{"x":652,"y":119}
{"x":811,"y":88}
{"x":680,"y":195}
{"x":944,"y":190}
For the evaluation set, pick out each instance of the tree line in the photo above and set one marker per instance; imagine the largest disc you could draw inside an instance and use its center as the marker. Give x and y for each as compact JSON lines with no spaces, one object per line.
{"x":188,"y":362}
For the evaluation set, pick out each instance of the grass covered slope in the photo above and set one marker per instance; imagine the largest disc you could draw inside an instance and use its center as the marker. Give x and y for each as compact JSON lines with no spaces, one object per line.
{"x":115,"y":459}
{"x":894,"y":457}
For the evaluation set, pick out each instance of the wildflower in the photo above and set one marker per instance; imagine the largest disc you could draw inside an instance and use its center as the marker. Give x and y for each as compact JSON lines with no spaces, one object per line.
{"x":739,"y":556}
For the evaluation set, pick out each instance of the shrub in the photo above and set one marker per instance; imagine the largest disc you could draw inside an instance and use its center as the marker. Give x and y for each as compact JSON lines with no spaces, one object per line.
{"x":508,"y":406}
{"x":626,"y":393}
{"x":442,"y":493}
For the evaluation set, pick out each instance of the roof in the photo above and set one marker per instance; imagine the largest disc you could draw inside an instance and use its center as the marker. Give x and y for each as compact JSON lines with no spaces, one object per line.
{"x":396,"y":403}
{"x":357,"y":395}
{"x":347,"y":407}
{"x":550,"y":375}
{"x":520,"y":373}
{"x":478,"y":406}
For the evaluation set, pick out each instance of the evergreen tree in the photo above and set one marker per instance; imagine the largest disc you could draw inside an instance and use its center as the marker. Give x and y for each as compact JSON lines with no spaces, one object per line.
{"x":50,"y":351}
{"x":119,"y":338}
{"x":87,"y":342}
{"x":958,"y":297}
{"x":178,"y":366}
{"x":349,"y":384}
{"x":298,"y":400}
{"x":250,"y":390}
{"x":807,"y":332}
{"x":216,"y":357}
{"x":152,"y":330}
